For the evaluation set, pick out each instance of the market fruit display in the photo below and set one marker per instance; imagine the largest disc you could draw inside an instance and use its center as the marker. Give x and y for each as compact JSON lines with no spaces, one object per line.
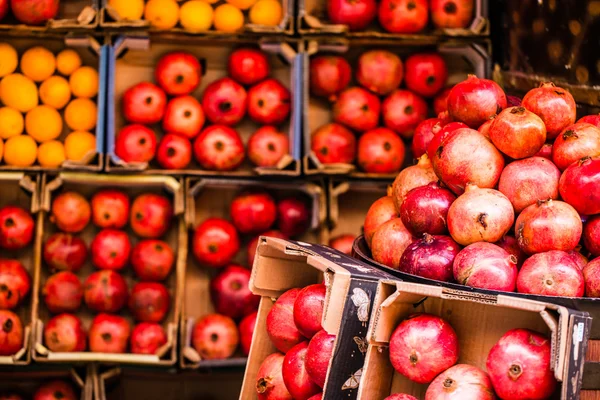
{"x":56,"y":389}
{"x":30,"y":12}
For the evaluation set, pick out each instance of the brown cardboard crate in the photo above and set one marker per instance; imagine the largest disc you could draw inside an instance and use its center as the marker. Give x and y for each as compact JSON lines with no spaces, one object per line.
{"x":25,"y":383}
{"x":72,"y":15}
{"x":87,"y":185}
{"x":212,"y":198}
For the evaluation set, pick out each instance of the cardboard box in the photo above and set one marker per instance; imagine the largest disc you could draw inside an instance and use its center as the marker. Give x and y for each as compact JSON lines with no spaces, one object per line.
{"x":351,"y":286}
{"x":461,"y":60}
{"x":479,"y":321}
{"x":132,"y":60}
{"x":176,"y":237}
{"x":212,"y":198}
{"x":73,"y":15}
{"x":25,"y":383}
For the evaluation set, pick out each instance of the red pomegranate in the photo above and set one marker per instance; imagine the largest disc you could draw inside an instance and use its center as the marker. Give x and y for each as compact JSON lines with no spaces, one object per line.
{"x":144,"y":103}
{"x":251,"y":249}
{"x":451,"y":14}
{"x":246,"y":329}
{"x":295,"y":377}
{"x":511,"y":245}
{"x":15,"y":283}
{"x":308,"y":309}
{"x":109,"y":334}
{"x":11,"y":333}
{"x":62,"y":292}
{"x":269,"y":102}
{"x":343,"y":243}
{"x":329,"y":75}
{"x":64,"y":252}
{"x":579,"y":185}
{"x":356,"y":14}
{"x":267,"y":146}
{"x":253,"y":212}
{"x":230,"y":293}
{"x":215,"y":242}
{"x":318,"y":356}
{"x":110,"y":209}
{"x":147,"y":338}
{"x":519,"y":365}
{"x":135,"y":144}
{"x":149,"y":301}
{"x":431,"y":257}
{"x":65,"y":333}
{"x":380,"y":212}
{"x":461,"y":382}
{"x":110,"y":249}
{"x":105,"y":291}
{"x":248,"y":66}
{"x":484,"y":129}
{"x":215,"y":336}
{"x":574,"y":143}
{"x":34,"y":12}
{"x":380,"y":151}
{"x":280,"y":322}
{"x":424,"y":133}
{"x":380,"y":71}
{"x":178,"y":73}
{"x":591,"y":235}
{"x":293,"y":216}
{"x":591,"y":119}
{"x":403,"y":16}
{"x":591,"y":275}
{"x":474,"y":101}
{"x":425,"y":208}
{"x":401,"y":396}
{"x":224,"y":102}
{"x":152,"y":260}
{"x":16,"y":228}
{"x":440,"y":102}
{"x":219,"y":148}
{"x":554,"y":105}
{"x":422,"y":346}
{"x":579,"y":258}
{"x":517,"y":132}
{"x":151,"y":215}
{"x":441,"y":135}
{"x":426,"y":74}
{"x":55,"y":390}
{"x":403,"y":111}
{"x":184,"y":116}
{"x":269,"y":379}
{"x":319,"y":396}
{"x":174,"y":152}
{"x":389,"y":242}
{"x":412,"y":177}
{"x":71,"y":212}
{"x":333,"y":143}
{"x":553,"y":273}
{"x":545,"y":151}
{"x":357,"y":108}
{"x":486,"y":266}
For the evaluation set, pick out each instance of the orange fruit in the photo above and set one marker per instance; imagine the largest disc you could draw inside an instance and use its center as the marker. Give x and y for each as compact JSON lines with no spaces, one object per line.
{"x":196,"y":16}
{"x":242,"y":4}
{"x":266,"y":12}
{"x":19,"y":92}
{"x":11,"y":122}
{"x":55,"y":92}
{"x":51,"y":154}
{"x":128,"y":10}
{"x":67,"y":61}
{"x":228,"y":18}
{"x":78,"y":144}
{"x":81,"y":114}
{"x":1,"y":149}
{"x":43,"y":123}
{"x":20,"y":151}
{"x":162,"y":14}
{"x":84,"y":82}
{"x":38,"y":63}
{"x":9,"y":59}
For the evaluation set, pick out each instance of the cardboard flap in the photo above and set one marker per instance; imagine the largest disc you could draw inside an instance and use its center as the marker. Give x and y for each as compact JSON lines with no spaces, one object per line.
{"x":315,"y":23}
{"x":131,"y":42}
{"x":283,"y":49}
{"x":83,"y":41}
{"x":329,"y":169}
{"x":85,"y":17}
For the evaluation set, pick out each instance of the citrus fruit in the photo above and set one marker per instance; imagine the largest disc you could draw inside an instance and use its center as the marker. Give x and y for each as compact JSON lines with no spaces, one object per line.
{"x":196,"y":16}
{"x":19,"y":92}
{"x":9,"y":59}
{"x":162,"y":14}
{"x":266,"y":12}
{"x":67,"y":61}
{"x":38,"y":63}
{"x":242,"y":4}
{"x":20,"y":151}
{"x":51,"y":154}
{"x":55,"y":92}
{"x":1,"y":149}
{"x":11,"y":122}
{"x":84,"y":82}
{"x":80,"y":115}
{"x":228,"y":18}
{"x":128,"y":9}
{"x":43,"y":123}
{"x":78,"y":144}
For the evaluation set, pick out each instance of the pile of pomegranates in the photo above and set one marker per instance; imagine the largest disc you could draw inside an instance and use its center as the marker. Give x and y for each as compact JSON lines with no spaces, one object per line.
{"x":169,"y":124}
{"x":503,"y":198}
{"x":51,"y":390}
{"x":424,"y":348}
{"x":30,"y":12}
{"x":106,"y":291}
{"x":371,"y":120}
{"x":216,"y":244}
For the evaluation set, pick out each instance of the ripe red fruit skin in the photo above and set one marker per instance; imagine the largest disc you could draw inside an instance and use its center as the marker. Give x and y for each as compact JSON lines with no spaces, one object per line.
{"x":591,"y":235}
{"x":575,"y":142}
{"x":105,"y":291}
{"x":70,"y":212}
{"x":178,"y":73}
{"x":465,"y":156}
{"x":356,"y":14}
{"x":480,"y":215}
{"x":517,"y":132}
{"x":215,"y":242}
{"x":319,"y":396}
{"x":65,"y":333}
{"x":380,"y":151}
{"x":219,"y":148}
{"x":422,"y":346}
{"x":548,"y":225}
{"x":280,"y":322}
{"x":55,"y":390}
{"x":486,"y":266}
{"x":329,"y":75}
{"x":523,"y":182}
{"x":34,"y":12}
{"x":485,"y":128}
{"x":64,"y":252}
{"x":230,"y":293}
{"x":109,"y":334}
{"x":147,"y":338}
{"x":591,"y":119}
{"x":424,"y":133}
{"x":553,"y":273}
{"x":403,"y":111}
{"x":426,"y":74}
{"x":308,"y":309}
{"x":224,"y":102}
{"x":151,"y":215}
{"x":440,"y":136}
{"x":149,"y":301}
{"x":15,"y":283}
{"x":579,"y":258}
{"x":431,"y":257}
{"x":11,"y":333}
{"x":269,"y":102}
{"x":293,"y":216}
{"x":62,"y":292}
{"x":357,"y":108}
{"x":545,"y":151}
{"x":389,"y":242}
{"x":461,"y":382}
{"x":251,"y":249}
{"x":184,"y":116}
{"x":554,"y":105}
{"x":248,"y":66}
{"x":379,"y":71}
{"x":440,"y":102}
{"x":519,"y":366}
{"x":110,"y":249}
{"x":213,"y":326}
{"x":267,"y":146}
{"x":409,"y":178}
{"x":174,"y":152}
{"x":400,"y":396}
{"x":403,"y":16}
{"x":381,"y":211}
{"x":511,"y":245}
{"x":152,"y":260}
{"x":253,"y":212}
{"x":318,"y":355}
{"x":16,"y":228}
{"x":110,"y":209}
{"x":451,"y":14}
{"x":425,"y":208}
{"x":591,"y":274}
{"x":333,"y":143}
{"x":246,"y":329}
{"x":474,"y":101}
{"x":144,"y":103}
{"x":579,"y":185}
{"x":269,"y":379}
{"x":295,"y":377}
{"x":135,"y":143}
{"x":4,"y":5}
{"x":343,"y":243}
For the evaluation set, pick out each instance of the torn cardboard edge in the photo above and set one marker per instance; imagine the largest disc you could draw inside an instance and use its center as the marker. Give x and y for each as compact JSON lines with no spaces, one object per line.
{"x":86,"y":20}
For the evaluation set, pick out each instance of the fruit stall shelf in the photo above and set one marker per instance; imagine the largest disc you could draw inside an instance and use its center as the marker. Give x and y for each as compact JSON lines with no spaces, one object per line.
{"x":72,"y":16}
{"x":52,"y":380}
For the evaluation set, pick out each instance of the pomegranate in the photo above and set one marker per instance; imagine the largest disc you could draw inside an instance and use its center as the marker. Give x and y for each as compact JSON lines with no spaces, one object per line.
{"x":548,"y":225}
{"x":513,"y":101}
{"x":15,"y":283}
{"x":248,"y":66}
{"x":318,"y":396}
{"x":329,"y":75}
{"x":215,"y":242}
{"x":401,"y":396}
{"x":591,"y":274}
{"x":55,"y":390}
{"x":318,"y":355}
{"x":184,"y":116}
{"x":575,"y":142}
{"x":380,"y":212}
{"x":178,"y":73}
{"x":425,"y":208}
{"x":147,"y":338}
{"x":519,"y":366}
{"x":251,"y":249}
{"x":412,"y":177}
{"x":144,"y":103}
{"x":65,"y":333}
{"x":403,"y":111}
{"x":11,"y":333}
{"x":71,"y":212}
{"x":451,"y":14}
{"x":135,"y":144}
{"x":591,"y":119}
{"x":511,"y":245}
{"x":357,"y":108}
{"x":280,"y":322}
{"x":267,"y":146}
{"x":380,"y":151}
{"x":215,"y":336}
{"x":219,"y":148}
{"x":431,"y":257}
{"x":461,"y":382}
{"x":545,"y":151}
{"x":380,"y":71}
{"x":424,"y":133}
{"x":110,"y":249}
{"x":389,"y":242}
{"x":230,"y":293}
{"x":109,"y":334}
{"x":426,"y":74}
{"x":149,"y":301}
{"x":524,"y":182}
{"x":480,"y":215}
{"x":474,"y":101}
{"x":110,"y":209}
{"x":422,"y":346}
{"x":151,"y":215}
{"x":579,"y":258}
{"x":486,"y":266}
{"x":9,"y":396}
{"x":174,"y":152}
{"x":16,"y":228}
{"x":517,"y":132}
{"x":579,"y":185}
{"x":440,"y":102}
{"x":152,"y":260}
{"x":269,"y":102}
{"x":62,"y":292}
{"x":333,"y":143}
{"x":246,"y":329}
{"x":224,"y":102}
{"x":343,"y":243}
{"x":295,"y":377}
{"x":484,"y":129}
{"x":253,"y":212}
{"x":591,"y":235}
{"x":403,"y":16}
{"x":553,"y":273}
{"x":308,"y":309}
{"x":554,"y":105}
{"x":357,"y":14}
{"x":105,"y":291}
{"x":269,"y":379}
{"x":440,"y":136}
{"x":293,"y":216}
{"x":445,"y":117}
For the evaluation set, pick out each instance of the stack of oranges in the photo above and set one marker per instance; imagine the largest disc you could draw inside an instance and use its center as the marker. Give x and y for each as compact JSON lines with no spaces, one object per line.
{"x":38,"y":93}
{"x":197,"y":16}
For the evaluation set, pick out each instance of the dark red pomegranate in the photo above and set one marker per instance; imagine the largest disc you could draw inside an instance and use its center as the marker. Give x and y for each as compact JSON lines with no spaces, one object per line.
{"x":356,"y":14}
{"x":548,"y":225}
{"x":149,"y":301}
{"x":554,"y":105}
{"x":65,"y":333}
{"x":343,"y":243}
{"x":253,"y":212}
{"x":591,"y":274}
{"x":215,"y":242}
{"x":318,"y":396}
{"x":513,"y":101}
{"x":424,"y":133}
{"x":591,"y":235}
{"x":412,"y":177}
{"x":308,"y":309}
{"x":511,"y":245}
{"x":591,"y":119}
{"x":269,"y":379}
{"x":579,"y":185}
{"x":574,"y":143}
{"x":422,"y":346}
{"x":295,"y":377}
{"x":152,"y":260}
{"x":519,"y":366}
{"x":246,"y":328}
{"x":380,"y":151}
{"x":403,"y":111}
{"x":403,"y":16}
{"x":16,"y":228}
{"x":431,"y":257}
{"x":553,"y":273}
{"x":11,"y":333}
{"x":280,"y":322}
{"x":64,"y":252}
{"x":440,"y":102}
{"x":380,"y":212}
{"x":71,"y":212}
{"x":461,"y":382}
{"x":151,"y":215}
{"x":105,"y":291}
{"x":248,"y":66}
{"x":426,"y":73}
{"x":251,"y":249}
{"x":62,"y":292}
{"x":224,"y":102}
{"x":486,"y":266}
{"x":230,"y":293}
{"x":15,"y":283}
{"x":333,"y":143}
{"x":55,"y":390}
{"x":517,"y":132}
{"x":474,"y":101}
{"x":389,"y":242}
{"x":110,"y":209}
{"x":380,"y":71}
{"x":110,"y":249}
{"x":357,"y":108}
{"x":401,"y":396}
{"x":109,"y":334}
{"x":147,"y":338}
{"x":318,"y":356}
{"x":215,"y":336}
{"x":293,"y":216}
{"x":329,"y":75}
{"x":451,"y":14}
{"x":440,"y":136}
{"x":545,"y":151}
{"x":269,"y":102}
{"x":425,"y":208}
